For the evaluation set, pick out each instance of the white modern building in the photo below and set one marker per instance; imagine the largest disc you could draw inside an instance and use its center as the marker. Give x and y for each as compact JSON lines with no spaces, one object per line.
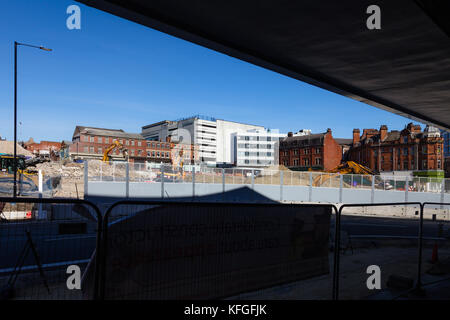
{"x":215,"y":138}
{"x":256,"y":148}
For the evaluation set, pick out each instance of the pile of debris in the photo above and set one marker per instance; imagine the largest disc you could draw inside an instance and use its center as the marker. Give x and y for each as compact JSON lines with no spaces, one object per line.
{"x":72,"y":178}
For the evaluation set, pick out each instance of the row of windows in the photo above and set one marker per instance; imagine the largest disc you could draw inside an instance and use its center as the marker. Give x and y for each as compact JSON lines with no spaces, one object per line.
{"x":305,"y":162}
{"x":303,"y":151}
{"x":154,"y":154}
{"x":407,"y":165}
{"x":254,"y":146}
{"x":139,"y":143}
{"x":252,"y":154}
{"x":263,"y":162}
{"x":254,"y":138}
{"x":405,"y":151}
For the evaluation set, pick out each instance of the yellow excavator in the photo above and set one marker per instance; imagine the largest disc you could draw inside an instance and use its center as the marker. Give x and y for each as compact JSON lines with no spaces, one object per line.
{"x":178,"y":162}
{"x":24,"y":168}
{"x":348,"y":167}
{"x":114,"y":145}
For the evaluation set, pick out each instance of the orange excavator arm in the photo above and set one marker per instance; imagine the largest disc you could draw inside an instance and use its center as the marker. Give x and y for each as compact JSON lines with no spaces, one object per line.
{"x":114,"y":145}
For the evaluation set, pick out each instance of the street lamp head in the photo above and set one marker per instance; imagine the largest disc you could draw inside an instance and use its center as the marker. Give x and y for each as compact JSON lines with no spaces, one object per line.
{"x":46,"y":49}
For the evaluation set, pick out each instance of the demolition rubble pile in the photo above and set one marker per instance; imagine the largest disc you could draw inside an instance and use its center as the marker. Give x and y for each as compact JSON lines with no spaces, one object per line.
{"x":71,"y":184}
{"x":104,"y":171}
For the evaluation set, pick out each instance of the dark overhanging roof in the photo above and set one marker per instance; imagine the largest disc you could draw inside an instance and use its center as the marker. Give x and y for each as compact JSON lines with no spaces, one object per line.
{"x":403,"y":68}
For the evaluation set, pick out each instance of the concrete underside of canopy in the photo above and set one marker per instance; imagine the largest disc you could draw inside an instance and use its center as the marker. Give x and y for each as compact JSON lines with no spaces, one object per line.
{"x":403,"y":68}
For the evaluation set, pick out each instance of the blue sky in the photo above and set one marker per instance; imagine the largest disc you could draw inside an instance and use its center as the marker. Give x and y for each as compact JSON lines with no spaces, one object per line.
{"x":117,"y":74}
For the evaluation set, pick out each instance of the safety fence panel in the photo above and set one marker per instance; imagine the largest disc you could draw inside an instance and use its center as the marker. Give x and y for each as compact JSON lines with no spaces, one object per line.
{"x":435,"y":251}
{"x":378,"y":256}
{"x":161,"y":250}
{"x":45,"y":248}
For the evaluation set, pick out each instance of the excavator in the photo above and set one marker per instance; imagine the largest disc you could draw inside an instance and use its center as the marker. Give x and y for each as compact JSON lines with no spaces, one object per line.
{"x":176,"y":172}
{"x":178,"y":163}
{"x":114,"y":145}
{"x":23,"y":167}
{"x":348,"y":167}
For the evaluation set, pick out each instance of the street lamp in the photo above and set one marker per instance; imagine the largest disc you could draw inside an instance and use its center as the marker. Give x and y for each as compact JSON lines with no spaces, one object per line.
{"x":16,"y":44}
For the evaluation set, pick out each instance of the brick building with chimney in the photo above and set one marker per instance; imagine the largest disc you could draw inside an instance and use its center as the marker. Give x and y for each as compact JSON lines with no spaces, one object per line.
{"x":311,"y":151}
{"x":91,"y":143}
{"x":43,"y":149}
{"x":407,"y":150}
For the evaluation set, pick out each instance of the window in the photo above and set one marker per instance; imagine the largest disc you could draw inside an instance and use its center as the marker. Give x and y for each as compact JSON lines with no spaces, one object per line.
{"x":246,"y":161}
{"x":295,"y":152}
{"x":438,"y":149}
{"x":424,"y":149}
{"x":149,"y":144}
{"x":424,"y":164}
{"x":439,"y":163}
{"x":100,"y":140}
{"x":167,"y":155}
{"x":269,"y":154}
{"x":100,"y":150}
{"x":405,"y":151}
{"x":148,"y":154}
{"x":132,"y":152}
{"x":106,"y":140}
{"x":405,"y":165}
{"x":127,"y":143}
{"x":86,"y":149}
{"x":306,"y":151}
{"x":140,"y":152}
{"x":157,"y":154}
{"x":286,"y":163}
{"x":91,"y":149}
{"x":153,"y":154}
{"x":405,"y":139}
{"x":295,"y":162}
{"x":91,"y":139}
{"x":306,"y":162}
{"x":318,"y":161}
{"x":317,"y":150}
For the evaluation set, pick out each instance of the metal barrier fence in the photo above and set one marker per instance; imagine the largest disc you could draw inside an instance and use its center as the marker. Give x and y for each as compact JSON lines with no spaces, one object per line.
{"x":145,"y":172}
{"x":209,"y":250}
{"x":40,"y":239}
{"x":386,"y":257}
{"x":438,"y":249}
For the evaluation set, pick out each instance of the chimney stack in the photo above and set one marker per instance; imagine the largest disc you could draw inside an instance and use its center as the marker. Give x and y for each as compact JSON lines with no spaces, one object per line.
{"x":383,"y":132}
{"x":355,"y":136}
{"x":290,"y":134}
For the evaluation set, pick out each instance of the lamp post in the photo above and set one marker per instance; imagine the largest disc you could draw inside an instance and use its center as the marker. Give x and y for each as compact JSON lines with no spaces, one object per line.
{"x":16,"y":44}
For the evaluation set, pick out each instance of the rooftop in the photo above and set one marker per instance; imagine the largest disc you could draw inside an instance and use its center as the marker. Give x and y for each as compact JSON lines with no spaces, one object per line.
{"x":119,"y":133}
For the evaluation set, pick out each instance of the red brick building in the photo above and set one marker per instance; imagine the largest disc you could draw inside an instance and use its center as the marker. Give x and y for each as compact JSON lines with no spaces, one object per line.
{"x":44,"y":149}
{"x":312,"y":151}
{"x":409,"y":149}
{"x":91,"y":143}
